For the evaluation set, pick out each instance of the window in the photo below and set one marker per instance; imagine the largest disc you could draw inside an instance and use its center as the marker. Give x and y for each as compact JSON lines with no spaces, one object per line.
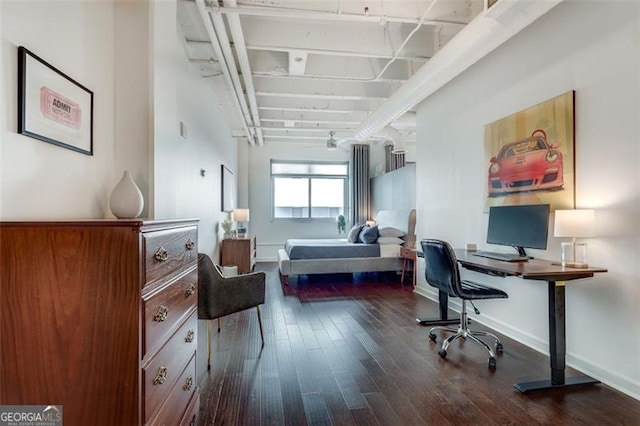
{"x":308,"y":190}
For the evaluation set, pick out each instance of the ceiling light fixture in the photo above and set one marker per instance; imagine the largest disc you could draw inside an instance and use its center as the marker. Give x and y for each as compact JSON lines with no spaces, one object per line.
{"x":331,"y":142}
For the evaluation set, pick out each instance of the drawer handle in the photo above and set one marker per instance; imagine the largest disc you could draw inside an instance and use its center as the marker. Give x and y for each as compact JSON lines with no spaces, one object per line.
{"x":161,"y":254}
{"x":191,"y":288}
{"x":188,"y":384}
{"x":190,"y":244}
{"x":190,"y":336}
{"x":161,"y":314}
{"x":161,"y":375}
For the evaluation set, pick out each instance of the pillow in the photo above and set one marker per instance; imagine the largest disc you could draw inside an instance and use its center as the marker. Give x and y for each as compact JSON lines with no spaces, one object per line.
{"x":354,"y":233}
{"x":388,"y":231}
{"x":390,"y":240}
{"x":369,"y":234}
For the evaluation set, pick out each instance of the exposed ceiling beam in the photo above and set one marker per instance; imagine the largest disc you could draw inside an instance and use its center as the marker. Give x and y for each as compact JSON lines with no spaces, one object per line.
{"x":276,"y":74}
{"x":239,"y":45}
{"x":321,"y":104}
{"x":238,"y":101}
{"x":317,"y":96}
{"x":484,"y":34}
{"x":324,"y":138}
{"x":281,"y":120}
{"x":333,"y":52}
{"x":281,"y":12}
{"x":290,"y":130}
{"x":337,"y":111}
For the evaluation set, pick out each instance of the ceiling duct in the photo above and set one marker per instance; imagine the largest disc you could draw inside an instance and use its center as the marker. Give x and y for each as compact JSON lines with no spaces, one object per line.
{"x":483,"y":35}
{"x":391,"y":134}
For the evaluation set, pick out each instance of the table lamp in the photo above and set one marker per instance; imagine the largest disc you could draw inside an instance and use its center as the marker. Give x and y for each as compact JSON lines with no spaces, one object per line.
{"x":574,"y":224}
{"x":240,"y":216}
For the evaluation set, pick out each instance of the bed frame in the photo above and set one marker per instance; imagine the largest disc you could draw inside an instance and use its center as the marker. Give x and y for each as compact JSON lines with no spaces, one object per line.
{"x":404,"y":220}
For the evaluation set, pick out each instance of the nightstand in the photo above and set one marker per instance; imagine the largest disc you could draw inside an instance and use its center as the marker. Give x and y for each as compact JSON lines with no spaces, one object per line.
{"x":408,"y":254}
{"x":240,"y":252}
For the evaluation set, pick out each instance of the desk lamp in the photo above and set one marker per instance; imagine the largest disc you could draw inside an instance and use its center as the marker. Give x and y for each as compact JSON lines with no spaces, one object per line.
{"x":574,"y":223}
{"x":240,"y":216}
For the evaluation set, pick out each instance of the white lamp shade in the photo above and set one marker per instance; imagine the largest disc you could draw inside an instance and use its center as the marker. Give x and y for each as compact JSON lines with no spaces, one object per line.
{"x":240,"y":215}
{"x":574,"y":223}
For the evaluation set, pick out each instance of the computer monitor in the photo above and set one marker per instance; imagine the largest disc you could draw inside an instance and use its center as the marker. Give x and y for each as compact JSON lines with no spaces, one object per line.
{"x":521,"y":227}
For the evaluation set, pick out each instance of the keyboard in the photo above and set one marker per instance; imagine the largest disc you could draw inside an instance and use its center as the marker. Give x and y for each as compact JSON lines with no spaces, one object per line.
{"x":507,"y":257}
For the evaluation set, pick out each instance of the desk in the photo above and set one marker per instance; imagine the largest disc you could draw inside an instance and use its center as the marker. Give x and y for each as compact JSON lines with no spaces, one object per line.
{"x":555,"y":275}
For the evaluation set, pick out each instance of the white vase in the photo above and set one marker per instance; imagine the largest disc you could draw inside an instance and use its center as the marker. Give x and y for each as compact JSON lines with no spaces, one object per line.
{"x":126,"y":201}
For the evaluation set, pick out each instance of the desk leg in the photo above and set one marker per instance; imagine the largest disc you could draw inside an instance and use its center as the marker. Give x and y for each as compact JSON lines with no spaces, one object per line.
{"x":443,"y":306}
{"x":557,"y":347}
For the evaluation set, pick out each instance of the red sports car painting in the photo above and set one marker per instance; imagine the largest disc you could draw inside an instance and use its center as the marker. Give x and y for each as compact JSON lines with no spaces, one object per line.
{"x":529,"y":164}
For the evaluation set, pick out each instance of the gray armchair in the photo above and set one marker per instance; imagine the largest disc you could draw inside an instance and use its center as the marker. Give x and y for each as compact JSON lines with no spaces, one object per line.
{"x":219,"y":295}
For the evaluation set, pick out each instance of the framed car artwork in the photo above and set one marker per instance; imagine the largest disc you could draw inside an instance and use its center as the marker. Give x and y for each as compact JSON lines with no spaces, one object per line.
{"x":529,"y":156}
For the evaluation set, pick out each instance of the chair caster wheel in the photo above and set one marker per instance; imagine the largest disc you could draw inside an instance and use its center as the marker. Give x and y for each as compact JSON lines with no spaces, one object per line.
{"x":432,"y":337}
{"x":492,"y":362}
{"x":499,"y":347}
{"x":442,"y":353}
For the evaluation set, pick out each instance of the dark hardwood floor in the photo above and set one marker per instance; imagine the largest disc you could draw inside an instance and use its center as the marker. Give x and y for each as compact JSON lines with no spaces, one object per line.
{"x":343,"y":350}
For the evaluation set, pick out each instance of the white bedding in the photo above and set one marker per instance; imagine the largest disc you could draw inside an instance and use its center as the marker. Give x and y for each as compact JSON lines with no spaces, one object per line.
{"x":390,"y":250}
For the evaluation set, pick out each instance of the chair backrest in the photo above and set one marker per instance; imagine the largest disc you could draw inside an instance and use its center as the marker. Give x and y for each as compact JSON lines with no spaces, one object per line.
{"x":219,"y":295}
{"x":441,"y":266}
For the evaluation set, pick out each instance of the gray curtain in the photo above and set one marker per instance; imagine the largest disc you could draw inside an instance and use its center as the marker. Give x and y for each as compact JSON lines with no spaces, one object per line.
{"x":360,"y":190}
{"x":393,"y":161}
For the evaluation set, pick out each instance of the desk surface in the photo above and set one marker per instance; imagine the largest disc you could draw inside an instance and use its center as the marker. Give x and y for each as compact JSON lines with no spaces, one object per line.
{"x":533,"y":269}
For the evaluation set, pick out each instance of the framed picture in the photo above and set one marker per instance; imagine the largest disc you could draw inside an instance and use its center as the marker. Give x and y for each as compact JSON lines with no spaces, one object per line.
{"x":529,"y":156}
{"x":228,"y":190}
{"x":52,"y":107}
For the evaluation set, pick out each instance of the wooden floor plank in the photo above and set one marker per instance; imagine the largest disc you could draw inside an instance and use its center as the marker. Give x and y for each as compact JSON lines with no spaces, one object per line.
{"x":345,"y":350}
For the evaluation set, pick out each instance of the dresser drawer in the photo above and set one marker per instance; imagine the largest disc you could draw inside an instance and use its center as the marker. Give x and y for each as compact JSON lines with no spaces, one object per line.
{"x":164,"y":309}
{"x":164,"y":369}
{"x":168,"y":252}
{"x":191,"y":415}
{"x":174,"y":410}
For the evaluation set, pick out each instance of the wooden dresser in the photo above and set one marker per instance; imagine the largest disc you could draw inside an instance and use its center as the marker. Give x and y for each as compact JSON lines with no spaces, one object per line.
{"x":100,"y":317}
{"x":240,"y":252}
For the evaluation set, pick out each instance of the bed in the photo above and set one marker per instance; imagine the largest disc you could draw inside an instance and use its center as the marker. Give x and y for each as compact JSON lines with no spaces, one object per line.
{"x":332,"y":256}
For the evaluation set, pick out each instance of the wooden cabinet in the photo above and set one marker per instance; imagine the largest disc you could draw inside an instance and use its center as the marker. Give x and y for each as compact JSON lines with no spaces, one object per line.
{"x":240,"y":252}
{"x":101,"y":318}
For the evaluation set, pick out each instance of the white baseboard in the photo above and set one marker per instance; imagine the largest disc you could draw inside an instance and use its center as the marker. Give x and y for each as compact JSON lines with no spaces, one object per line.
{"x":616,"y":381}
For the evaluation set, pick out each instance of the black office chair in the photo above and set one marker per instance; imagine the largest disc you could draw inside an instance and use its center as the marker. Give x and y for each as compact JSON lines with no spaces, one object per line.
{"x":441,"y":272}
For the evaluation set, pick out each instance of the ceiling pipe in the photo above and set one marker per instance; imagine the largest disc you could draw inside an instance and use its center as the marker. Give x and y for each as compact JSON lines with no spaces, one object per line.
{"x":235,"y":28}
{"x":229,"y":59}
{"x":394,"y":136}
{"x":238,"y":101}
{"x":282,"y":12}
{"x":484,"y":34}
{"x":406,"y":40}
{"x":333,"y":52}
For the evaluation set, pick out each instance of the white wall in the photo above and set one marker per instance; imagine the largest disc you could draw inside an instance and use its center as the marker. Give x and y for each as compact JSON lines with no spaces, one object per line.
{"x":594,"y":49}
{"x":207,"y":146}
{"x":180,"y":94}
{"x":130,"y":55}
{"x":133,"y":92}
{"x":40,"y":180}
{"x":271,"y":235}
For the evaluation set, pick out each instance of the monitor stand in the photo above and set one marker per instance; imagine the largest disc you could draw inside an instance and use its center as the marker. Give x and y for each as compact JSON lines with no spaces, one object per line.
{"x":522,"y":252}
